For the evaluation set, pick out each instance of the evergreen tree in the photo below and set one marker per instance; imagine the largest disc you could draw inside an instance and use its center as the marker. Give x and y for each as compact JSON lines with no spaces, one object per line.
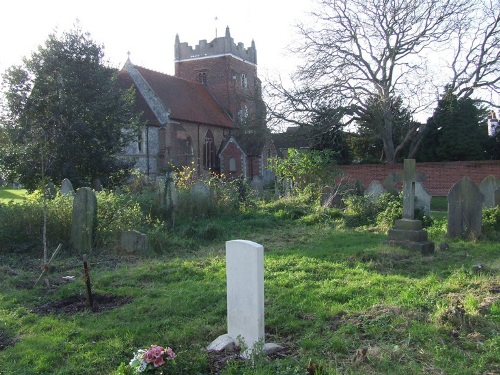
{"x":64,"y":116}
{"x":454,"y":131}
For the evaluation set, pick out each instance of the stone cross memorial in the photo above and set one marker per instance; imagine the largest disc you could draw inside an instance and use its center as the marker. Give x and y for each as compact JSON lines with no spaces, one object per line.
{"x":245,"y":299}
{"x":408,"y":232}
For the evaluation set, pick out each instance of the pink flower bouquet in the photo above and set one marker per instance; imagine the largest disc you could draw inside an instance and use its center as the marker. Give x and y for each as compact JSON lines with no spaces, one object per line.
{"x":151,"y":359}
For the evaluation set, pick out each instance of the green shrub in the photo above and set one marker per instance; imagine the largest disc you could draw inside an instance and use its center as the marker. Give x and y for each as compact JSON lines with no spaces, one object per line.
{"x":491,"y":223}
{"x":117,"y":213}
{"x":21,"y":224}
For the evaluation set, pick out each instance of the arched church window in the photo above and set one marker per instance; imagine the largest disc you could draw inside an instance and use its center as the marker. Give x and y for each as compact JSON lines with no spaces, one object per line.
{"x":188,"y":151}
{"x":243,"y":111}
{"x":244,"y":81}
{"x":202,"y":77}
{"x":209,"y":152}
{"x":232,"y":165}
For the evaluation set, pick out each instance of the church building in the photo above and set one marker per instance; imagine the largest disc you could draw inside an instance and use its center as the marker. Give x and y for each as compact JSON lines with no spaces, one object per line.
{"x":210,"y":114}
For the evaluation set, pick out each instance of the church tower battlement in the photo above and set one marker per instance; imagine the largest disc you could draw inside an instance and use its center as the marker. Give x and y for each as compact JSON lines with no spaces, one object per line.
{"x":218,"y":47}
{"x":229,"y":72}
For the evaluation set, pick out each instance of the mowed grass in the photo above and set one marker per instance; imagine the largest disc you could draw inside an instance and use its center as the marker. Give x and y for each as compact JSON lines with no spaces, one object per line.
{"x":339,"y":299}
{"x":12,"y":195}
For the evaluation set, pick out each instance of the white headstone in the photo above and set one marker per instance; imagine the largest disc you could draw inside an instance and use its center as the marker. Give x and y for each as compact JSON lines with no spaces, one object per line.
{"x":245,"y":292}
{"x":423,"y":198}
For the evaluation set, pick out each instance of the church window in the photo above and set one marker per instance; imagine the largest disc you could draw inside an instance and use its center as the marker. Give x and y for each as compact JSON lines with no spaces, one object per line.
{"x":189,"y":150}
{"x":140,"y":141}
{"x":232,"y":165}
{"x":202,"y":77}
{"x":244,"y":81}
{"x":209,"y":152}
{"x":243,"y":111}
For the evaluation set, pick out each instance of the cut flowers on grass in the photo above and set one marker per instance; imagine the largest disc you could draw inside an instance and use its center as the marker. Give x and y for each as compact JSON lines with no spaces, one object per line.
{"x":152,"y":359}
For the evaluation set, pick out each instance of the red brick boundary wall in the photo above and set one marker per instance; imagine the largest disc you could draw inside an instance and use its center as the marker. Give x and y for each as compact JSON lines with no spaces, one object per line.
{"x":439,"y":176}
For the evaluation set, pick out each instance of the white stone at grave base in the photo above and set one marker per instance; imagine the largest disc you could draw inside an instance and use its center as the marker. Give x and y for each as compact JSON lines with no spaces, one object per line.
{"x":245,"y":291}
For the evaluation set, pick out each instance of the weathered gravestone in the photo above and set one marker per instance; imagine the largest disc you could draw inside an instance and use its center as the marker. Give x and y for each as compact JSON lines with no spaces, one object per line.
{"x":257,"y":184}
{"x":497,"y":197}
{"x":422,"y":199}
{"x":245,"y":298}
{"x":50,"y":190}
{"x":67,"y":187}
{"x":465,"y":202}
{"x":84,"y":220}
{"x":200,"y":190}
{"x":391,"y":181}
{"x":133,"y":242}
{"x":408,"y":232}
{"x":96,"y":185}
{"x":374,"y":191}
{"x":488,"y":186}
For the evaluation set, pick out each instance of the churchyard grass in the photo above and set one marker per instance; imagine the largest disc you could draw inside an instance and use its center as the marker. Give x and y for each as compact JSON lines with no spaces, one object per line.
{"x":337,"y":299}
{"x":11,"y":195}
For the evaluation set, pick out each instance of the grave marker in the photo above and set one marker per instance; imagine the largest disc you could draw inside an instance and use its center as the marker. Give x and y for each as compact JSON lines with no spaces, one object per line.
{"x":67,"y":187}
{"x":488,"y":186}
{"x":408,"y":232}
{"x":245,"y":298}
{"x":465,"y":202}
{"x":84,"y":219}
{"x":374,"y":191}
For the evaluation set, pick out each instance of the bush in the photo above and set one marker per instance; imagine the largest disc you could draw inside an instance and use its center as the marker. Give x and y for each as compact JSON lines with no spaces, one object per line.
{"x":117,"y":213}
{"x":21,"y":224}
{"x":491,"y":223}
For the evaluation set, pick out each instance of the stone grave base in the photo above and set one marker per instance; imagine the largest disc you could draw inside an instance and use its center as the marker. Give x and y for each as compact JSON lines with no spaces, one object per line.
{"x":409,"y":234}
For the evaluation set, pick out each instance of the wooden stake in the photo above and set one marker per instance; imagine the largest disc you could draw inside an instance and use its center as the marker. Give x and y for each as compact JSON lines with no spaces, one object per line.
{"x":90,"y":302}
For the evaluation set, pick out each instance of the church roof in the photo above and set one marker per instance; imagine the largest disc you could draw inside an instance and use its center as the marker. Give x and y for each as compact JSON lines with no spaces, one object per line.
{"x":125,"y":82}
{"x":184,"y":100}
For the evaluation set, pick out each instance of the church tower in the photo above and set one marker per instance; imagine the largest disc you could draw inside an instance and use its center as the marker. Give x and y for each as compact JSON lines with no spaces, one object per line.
{"x":229,"y":71}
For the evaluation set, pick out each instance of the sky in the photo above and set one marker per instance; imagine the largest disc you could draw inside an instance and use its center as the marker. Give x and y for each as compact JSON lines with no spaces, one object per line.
{"x":147,"y":28}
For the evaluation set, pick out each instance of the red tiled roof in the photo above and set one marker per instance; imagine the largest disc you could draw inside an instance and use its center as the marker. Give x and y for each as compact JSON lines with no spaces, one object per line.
{"x":124,"y":83}
{"x":186,"y":100}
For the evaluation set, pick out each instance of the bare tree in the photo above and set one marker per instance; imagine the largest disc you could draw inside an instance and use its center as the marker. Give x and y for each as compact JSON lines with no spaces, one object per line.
{"x":359,"y":49}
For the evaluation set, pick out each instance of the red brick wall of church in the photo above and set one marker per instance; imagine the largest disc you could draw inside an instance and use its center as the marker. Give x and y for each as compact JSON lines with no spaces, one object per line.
{"x":231,"y":151}
{"x":223,"y":80}
{"x":439,"y":176}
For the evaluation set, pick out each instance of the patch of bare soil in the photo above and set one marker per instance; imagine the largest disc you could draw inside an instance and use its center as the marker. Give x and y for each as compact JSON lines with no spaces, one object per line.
{"x":78,"y":302}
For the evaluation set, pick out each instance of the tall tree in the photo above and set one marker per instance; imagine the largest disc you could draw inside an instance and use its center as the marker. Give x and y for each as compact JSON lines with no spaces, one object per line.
{"x":354,"y":49}
{"x":64,"y":116}
{"x":455,"y":131}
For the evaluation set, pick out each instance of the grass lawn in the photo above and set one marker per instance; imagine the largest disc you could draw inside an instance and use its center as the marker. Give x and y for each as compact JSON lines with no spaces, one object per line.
{"x":339,"y":299}
{"x":14,"y":195}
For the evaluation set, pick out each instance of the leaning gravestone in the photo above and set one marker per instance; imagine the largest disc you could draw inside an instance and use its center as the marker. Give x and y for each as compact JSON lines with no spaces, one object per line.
{"x":465,"y":202}
{"x":408,"y":232}
{"x":133,"y":242}
{"x":374,"y":191}
{"x":422,"y":198}
{"x":67,"y":187}
{"x":245,"y":298}
{"x":84,"y":220}
{"x":488,"y":186}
